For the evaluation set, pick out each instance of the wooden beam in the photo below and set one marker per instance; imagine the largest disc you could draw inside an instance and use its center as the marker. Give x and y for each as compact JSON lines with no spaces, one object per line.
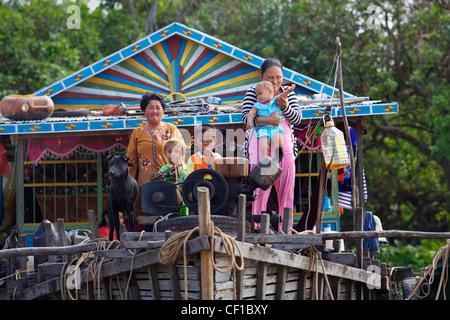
{"x":242,"y":201}
{"x":108,"y":269}
{"x":173,"y":272}
{"x":44,"y":251}
{"x":282,"y":270}
{"x":205,"y":255}
{"x":20,"y":196}
{"x":261,"y":275}
{"x":93,"y":223}
{"x":289,"y":259}
{"x":385,"y":233}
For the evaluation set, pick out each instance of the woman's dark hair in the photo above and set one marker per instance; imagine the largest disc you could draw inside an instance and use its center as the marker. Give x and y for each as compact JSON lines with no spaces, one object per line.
{"x":270,"y":63}
{"x":148,"y":96}
{"x":103,"y":222}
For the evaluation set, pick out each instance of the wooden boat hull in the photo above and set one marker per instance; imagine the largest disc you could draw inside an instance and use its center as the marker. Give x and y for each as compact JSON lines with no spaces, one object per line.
{"x":139,"y":275}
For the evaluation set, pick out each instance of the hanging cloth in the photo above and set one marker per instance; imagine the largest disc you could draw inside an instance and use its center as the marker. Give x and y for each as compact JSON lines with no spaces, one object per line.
{"x":345,"y":185}
{"x":370,"y":243}
{"x":63,"y":147}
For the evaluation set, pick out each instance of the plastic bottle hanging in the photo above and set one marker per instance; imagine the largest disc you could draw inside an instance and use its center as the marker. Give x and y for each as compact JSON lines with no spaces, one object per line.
{"x":333,"y":147}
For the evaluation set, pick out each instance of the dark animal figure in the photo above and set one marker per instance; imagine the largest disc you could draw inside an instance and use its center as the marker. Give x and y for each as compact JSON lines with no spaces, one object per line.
{"x":123,"y":195}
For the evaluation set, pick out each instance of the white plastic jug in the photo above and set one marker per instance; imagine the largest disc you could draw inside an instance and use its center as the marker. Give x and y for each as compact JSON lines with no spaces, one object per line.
{"x":333,"y":147}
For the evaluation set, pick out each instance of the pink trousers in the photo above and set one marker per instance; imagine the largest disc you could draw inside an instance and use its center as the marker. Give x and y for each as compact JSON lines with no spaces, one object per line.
{"x":285,"y":183}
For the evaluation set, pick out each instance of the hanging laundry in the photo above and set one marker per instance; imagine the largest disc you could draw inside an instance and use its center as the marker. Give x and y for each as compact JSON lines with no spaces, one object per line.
{"x":370,"y":243}
{"x":345,"y":187}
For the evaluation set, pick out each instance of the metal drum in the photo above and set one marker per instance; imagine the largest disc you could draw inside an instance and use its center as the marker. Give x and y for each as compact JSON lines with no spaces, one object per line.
{"x":160,"y":197}
{"x":211,"y":179}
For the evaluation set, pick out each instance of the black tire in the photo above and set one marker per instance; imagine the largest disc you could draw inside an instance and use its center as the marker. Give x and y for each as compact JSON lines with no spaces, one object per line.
{"x":408,"y":285}
{"x":225,"y":223}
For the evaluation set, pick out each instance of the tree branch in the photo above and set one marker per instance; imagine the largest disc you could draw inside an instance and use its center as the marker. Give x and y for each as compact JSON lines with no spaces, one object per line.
{"x":396,"y":131}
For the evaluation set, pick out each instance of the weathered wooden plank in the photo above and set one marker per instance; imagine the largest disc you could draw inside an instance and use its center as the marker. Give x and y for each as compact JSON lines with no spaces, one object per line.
{"x":274,"y":256}
{"x":205,"y":255}
{"x":282,"y":270}
{"x":119,"y":253}
{"x":43,"y":251}
{"x":132,"y":287}
{"x":153,"y":279}
{"x":386,"y":234}
{"x":93,"y":224}
{"x":146,"y":236}
{"x":224,"y":290}
{"x":173,"y":276}
{"x":262,"y":266}
{"x":281,"y":283}
{"x":143,"y":244}
{"x":240,"y":237}
{"x":301,"y":290}
{"x":305,"y":239}
{"x":50,"y":238}
{"x":109,"y":269}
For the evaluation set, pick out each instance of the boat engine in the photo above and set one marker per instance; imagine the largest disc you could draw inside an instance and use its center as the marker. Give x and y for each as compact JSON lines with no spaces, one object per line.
{"x":162,"y":197}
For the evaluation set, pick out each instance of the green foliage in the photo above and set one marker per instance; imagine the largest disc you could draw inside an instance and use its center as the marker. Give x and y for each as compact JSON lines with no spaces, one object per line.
{"x":438,"y":116}
{"x":398,"y":254}
{"x":37,"y":50}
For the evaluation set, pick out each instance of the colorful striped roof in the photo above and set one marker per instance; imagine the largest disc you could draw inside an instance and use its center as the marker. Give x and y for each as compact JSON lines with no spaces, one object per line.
{"x":177,"y":61}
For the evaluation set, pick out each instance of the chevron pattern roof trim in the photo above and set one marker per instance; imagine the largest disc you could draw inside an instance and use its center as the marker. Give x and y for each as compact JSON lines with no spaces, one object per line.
{"x":177,"y":61}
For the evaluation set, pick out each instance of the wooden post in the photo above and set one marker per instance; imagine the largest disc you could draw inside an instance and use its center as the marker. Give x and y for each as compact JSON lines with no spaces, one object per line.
{"x":205,"y":255}
{"x":93,"y":224}
{"x":360,"y":207}
{"x":240,"y":237}
{"x":62,"y":237}
{"x":261,"y":275}
{"x":174,"y":274}
{"x":287,"y":220}
{"x":50,"y":239}
{"x":62,"y":233}
{"x":20,"y":197}
{"x":282,"y":270}
{"x":241,"y":217}
{"x":22,"y":244}
{"x":322,"y":179}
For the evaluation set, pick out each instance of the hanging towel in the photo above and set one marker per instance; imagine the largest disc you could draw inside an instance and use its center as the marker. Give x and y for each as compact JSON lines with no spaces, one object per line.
{"x":370,"y":243}
{"x":381,"y":241}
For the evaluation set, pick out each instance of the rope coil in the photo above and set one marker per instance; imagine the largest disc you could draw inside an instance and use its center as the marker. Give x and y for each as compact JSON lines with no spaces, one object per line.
{"x":315,"y":258}
{"x":170,"y":250}
{"x":423,"y":285}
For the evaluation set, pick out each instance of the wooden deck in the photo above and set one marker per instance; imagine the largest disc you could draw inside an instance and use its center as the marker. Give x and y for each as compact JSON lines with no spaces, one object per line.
{"x":121,"y":273}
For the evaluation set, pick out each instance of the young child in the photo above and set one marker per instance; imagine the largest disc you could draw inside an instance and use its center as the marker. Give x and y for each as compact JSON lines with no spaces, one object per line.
{"x":205,"y":140}
{"x":103,"y":228}
{"x":268,"y":136}
{"x":175,"y":151}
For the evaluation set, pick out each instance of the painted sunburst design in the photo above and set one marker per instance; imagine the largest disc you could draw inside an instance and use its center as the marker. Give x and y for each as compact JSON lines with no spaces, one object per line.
{"x":176,"y":68}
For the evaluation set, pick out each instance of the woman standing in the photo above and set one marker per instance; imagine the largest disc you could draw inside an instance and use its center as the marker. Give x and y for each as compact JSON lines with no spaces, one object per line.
{"x":272,"y":70}
{"x":146,"y":146}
